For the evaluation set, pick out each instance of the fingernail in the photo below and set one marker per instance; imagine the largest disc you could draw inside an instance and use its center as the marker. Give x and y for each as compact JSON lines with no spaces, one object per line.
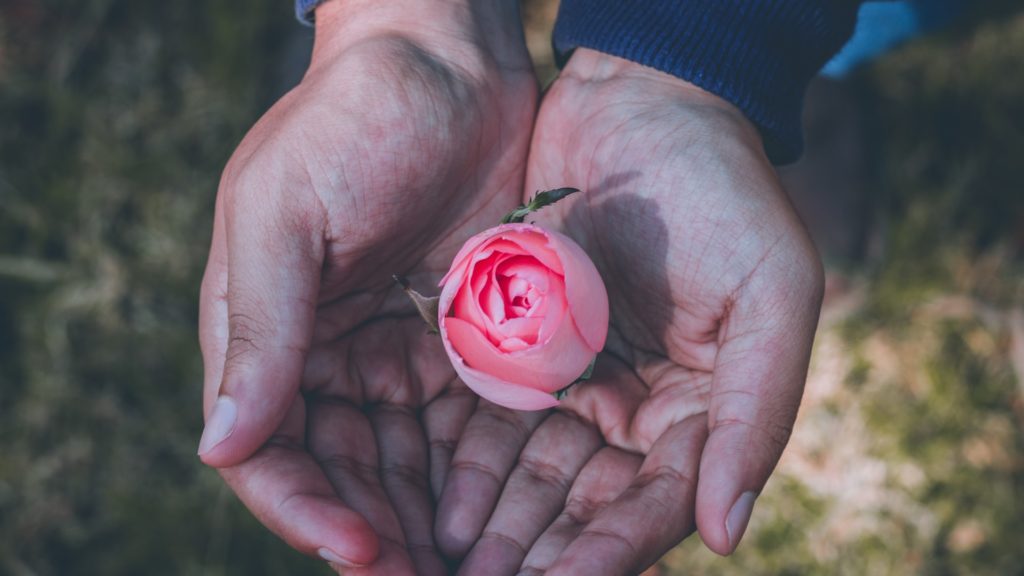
{"x":739,"y":515}
{"x":332,"y":558}
{"x":220,"y":424}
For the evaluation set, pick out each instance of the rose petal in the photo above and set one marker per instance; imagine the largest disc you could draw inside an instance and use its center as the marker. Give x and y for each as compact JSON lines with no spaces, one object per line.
{"x":491,"y":302}
{"x":528,"y":269}
{"x":462,"y":256}
{"x":513,"y":344}
{"x":473,"y":347}
{"x":549,"y":367}
{"x":525,"y":276}
{"x":515,"y":286}
{"x":473,"y":245}
{"x":553,"y":308}
{"x":584,"y":291}
{"x":516,"y":376}
{"x":547,"y":311}
{"x":561,"y":358}
{"x":455,"y":281}
{"x":466,"y":307}
{"x":462,"y":266}
{"x":525,"y":329}
{"x":536,"y":242}
{"x":502,"y":392}
{"x":534,"y":300}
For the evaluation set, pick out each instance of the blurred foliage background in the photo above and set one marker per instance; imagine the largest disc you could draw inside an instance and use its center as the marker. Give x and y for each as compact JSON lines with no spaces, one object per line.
{"x":116,"y":117}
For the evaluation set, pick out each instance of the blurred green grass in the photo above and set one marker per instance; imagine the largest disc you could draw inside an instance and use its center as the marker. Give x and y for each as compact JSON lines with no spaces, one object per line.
{"x":908,"y":457}
{"x":116,"y":118}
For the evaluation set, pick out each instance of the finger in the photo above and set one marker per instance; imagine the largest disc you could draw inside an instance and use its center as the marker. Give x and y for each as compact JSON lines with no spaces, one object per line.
{"x":613,"y":395}
{"x":403,"y":472}
{"x":488,"y":449}
{"x":654,"y":514}
{"x":392,"y":561}
{"x":287,"y":491}
{"x":602,"y":480}
{"x":275,"y":254}
{"x":755,"y":394}
{"x":213,"y":311}
{"x":444,"y":419}
{"x":534,"y":495}
{"x":342,"y":441}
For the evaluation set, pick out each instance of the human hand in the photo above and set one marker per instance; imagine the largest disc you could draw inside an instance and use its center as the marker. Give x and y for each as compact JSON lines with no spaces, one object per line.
{"x":714,"y":291}
{"x":323,"y":390}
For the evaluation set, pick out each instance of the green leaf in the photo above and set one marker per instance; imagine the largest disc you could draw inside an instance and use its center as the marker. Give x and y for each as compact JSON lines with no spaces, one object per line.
{"x":588,"y":372}
{"x":426,"y":305}
{"x":539,"y":200}
{"x":585,"y":376}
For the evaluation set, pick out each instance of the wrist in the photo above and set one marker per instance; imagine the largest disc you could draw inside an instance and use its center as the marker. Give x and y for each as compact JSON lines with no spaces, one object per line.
{"x":591,"y":66}
{"x":612,"y":74}
{"x":452,"y":29}
{"x":759,"y":55}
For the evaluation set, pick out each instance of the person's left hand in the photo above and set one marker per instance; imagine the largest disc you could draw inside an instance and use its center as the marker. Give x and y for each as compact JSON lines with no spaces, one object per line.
{"x":714,"y":290}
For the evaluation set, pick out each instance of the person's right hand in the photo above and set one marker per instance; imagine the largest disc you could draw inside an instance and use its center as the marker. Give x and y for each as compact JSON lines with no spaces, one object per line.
{"x":323,"y":390}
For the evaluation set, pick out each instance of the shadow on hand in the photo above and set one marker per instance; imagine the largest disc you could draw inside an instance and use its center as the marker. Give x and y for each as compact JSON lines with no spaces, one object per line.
{"x":626,"y":235}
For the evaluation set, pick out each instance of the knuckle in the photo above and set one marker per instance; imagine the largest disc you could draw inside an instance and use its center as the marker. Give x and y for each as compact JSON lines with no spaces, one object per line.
{"x":245,"y":335}
{"x":506,"y":540}
{"x":613,"y":539}
{"x":664,"y":487}
{"x":665,"y":480}
{"x":478,"y":468}
{"x":343,"y":465}
{"x":404,"y":474}
{"x":443,"y":444}
{"x":545,"y":474}
{"x":807,"y":271}
{"x":420,"y":547}
{"x":285,"y":442}
{"x":507,"y":422}
{"x":229,"y":176}
{"x":581,"y":509}
{"x":771,"y":434}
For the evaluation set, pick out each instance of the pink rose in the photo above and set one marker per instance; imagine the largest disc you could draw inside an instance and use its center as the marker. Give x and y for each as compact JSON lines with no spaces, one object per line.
{"x":523,"y":312}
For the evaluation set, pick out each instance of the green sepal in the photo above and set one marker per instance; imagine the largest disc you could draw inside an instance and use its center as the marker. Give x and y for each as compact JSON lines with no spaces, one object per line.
{"x":539,"y":200}
{"x":585,"y":376}
{"x":426,"y":305}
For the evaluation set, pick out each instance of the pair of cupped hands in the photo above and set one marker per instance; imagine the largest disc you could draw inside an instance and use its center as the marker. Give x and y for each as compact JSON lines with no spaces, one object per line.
{"x":337,"y":418}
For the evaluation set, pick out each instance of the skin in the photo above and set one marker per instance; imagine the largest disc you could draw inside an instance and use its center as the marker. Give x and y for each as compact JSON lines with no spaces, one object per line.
{"x":409,"y":134}
{"x":406,"y":136}
{"x":714,"y":290}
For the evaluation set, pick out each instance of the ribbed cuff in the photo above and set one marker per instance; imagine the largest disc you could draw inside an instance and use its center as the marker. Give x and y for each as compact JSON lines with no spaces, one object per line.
{"x":304,"y":10}
{"x":757,"y":54}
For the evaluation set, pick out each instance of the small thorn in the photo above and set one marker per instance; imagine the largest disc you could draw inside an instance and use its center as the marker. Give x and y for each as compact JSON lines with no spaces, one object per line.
{"x":402,"y":281}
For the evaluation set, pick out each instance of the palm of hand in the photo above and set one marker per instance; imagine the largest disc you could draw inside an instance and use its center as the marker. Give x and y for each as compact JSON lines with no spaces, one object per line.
{"x":679,"y":224}
{"x":373,"y":166}
{"x":708,"y":274}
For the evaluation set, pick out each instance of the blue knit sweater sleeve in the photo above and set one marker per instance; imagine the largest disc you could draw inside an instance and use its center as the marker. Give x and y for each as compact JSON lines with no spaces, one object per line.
{"x":304,"y":10}
{"x":757,"y":54}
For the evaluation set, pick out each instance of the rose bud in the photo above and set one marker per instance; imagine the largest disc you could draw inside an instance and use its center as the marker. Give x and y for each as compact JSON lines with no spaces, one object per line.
{"x":523,"y":313}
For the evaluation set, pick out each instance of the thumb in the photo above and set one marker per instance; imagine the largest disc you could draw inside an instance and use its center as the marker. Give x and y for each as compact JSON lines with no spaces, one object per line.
{"x":275,"y":250}
{"x":759,"y":379}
